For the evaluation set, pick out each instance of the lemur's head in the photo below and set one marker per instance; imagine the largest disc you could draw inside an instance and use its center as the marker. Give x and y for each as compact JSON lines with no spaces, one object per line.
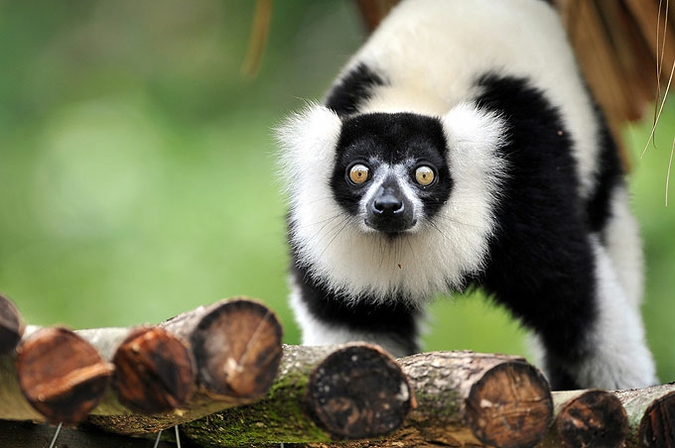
{"x":390,"y":170}
{"x":391,"y":192}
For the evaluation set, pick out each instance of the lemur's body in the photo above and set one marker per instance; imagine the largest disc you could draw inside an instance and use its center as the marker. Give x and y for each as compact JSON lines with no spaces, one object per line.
{"x":460,"y":147}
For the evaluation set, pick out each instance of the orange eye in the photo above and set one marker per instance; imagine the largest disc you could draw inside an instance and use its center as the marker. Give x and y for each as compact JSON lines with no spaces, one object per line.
{"x":424,"y":175}
{"x":359,"y":173}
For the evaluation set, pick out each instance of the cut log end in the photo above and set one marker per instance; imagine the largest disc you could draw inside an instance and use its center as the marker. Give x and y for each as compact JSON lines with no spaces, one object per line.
{"x":10,"y":326}
{"x":237,"y":347}
{"x":510,"y":406}
{"x":657,"y":427}
{"x":594,"y":418}
{"x":61,"y":375}
{"x":359,"y":391}
{"x":154,"y":371}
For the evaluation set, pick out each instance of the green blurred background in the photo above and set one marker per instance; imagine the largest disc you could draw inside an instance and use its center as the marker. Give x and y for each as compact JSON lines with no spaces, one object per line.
{"x":137,"y":171}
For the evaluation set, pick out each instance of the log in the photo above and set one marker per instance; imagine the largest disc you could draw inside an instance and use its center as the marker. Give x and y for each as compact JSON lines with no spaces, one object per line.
{"x":287,"y":415}
{"x":59,"y":374}
{"x":587,"y":418}
{"x":461,"y":398}
{"x":154,"y":370}
{"x":476,"y":399}
{"x":321,"y":394}
{"x":359,"y":391}
{"x":151,"y":379}
{"x":236,"y":346}
{"x":145,"y":370}
{"x":10,"y":326}
{"x":651,"y":414}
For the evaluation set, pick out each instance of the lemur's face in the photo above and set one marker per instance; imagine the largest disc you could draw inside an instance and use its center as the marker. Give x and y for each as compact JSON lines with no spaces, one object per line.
{"x":391,"y":171}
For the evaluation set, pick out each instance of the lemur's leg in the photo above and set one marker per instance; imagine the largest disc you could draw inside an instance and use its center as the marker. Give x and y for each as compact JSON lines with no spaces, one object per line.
{"x":621,"y":237}
{"x":616,"y":356}
{"x":327,"y":318}
{"x":611,"y":351}
{"x":569,"y":294}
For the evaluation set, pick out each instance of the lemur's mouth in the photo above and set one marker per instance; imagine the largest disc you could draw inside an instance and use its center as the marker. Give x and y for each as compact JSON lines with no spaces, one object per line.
{"x":390,"y":227}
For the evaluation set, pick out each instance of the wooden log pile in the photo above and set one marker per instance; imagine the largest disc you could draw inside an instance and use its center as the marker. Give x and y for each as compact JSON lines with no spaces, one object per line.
{"x":222,"y":374}
{"x":153,"y":377}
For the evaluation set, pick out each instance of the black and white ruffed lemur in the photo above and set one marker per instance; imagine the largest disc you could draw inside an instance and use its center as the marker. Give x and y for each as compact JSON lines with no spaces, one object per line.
{"x":460,"y":147}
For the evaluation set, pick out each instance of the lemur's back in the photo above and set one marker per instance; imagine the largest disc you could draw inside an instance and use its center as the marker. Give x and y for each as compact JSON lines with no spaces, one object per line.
{"x":464,"y":41}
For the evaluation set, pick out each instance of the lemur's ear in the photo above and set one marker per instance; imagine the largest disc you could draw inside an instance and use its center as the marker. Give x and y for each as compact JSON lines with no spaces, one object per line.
{"x":307,"y":142}
{"x":474,"y":138}
{"x":466,"y":125}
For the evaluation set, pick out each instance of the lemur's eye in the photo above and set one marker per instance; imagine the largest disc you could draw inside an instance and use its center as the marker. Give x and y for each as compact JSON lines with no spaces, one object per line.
{"x":424,"y":175}
{"x":359,"y":173}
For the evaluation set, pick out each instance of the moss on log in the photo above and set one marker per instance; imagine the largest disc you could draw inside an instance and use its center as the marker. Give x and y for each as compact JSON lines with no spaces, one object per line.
{"x":321,"y":394}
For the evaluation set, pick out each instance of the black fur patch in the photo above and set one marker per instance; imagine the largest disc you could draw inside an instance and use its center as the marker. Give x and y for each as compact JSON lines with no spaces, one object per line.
{"x":393,"y":318}
{"x":355,"y":87}
{"x":541,"y":262}
{"x":392,"y":138}
{"x":609,"y":176}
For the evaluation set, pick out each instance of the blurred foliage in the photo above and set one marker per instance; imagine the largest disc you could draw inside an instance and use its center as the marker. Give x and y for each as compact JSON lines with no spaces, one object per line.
{"x":137,"y":170}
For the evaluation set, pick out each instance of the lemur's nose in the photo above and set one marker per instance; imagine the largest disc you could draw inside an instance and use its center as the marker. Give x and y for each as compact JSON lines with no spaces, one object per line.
{"x":388,"y":203}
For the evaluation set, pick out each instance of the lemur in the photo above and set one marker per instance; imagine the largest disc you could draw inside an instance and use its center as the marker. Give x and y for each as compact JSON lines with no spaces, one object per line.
{"x":459,"y":148}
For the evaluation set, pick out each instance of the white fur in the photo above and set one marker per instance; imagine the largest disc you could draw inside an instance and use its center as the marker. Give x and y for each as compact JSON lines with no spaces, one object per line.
{"x":426,"y":260}
{"x":307,"y":141}
{"x":624,"y":248}
{"x":620,"y":358}
{"x":430,"y":52}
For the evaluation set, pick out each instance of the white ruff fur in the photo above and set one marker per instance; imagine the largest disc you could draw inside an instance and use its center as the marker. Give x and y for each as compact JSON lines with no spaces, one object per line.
{"x":430,"y":52}
{"x":429,"y":258}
